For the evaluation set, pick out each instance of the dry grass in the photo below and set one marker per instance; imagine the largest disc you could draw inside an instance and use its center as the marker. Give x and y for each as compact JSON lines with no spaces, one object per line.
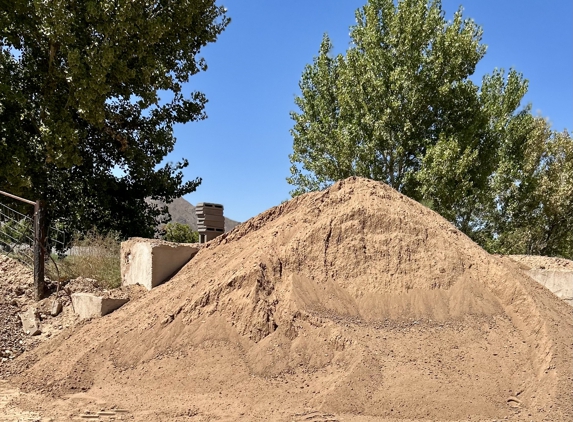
{"x":92,"y":255}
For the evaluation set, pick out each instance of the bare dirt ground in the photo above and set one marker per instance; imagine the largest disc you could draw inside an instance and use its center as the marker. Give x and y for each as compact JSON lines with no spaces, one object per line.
{"x":16,"y":295}
{"x":351,"y":304}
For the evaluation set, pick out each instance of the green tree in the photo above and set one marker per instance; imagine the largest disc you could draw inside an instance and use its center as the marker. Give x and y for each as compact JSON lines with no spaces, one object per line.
{"x":180,"y":233}
{"x":533,"y":208}
{"x":556,"y":199}
{"x":16,"y":232}
{"x":402,"y":86}
{"x":463,"y":179}
{"x":400,"y":107}
{"x":89,"y":93}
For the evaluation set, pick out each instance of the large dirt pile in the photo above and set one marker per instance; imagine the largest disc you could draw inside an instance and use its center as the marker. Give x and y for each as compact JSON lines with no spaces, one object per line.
{"x":355,"y":303}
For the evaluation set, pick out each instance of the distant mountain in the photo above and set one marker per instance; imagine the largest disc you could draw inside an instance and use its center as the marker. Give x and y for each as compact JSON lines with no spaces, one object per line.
{"x":183,"y":212}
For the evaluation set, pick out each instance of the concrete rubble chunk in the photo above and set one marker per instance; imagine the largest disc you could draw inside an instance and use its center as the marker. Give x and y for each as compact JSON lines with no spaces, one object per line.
{"x":87,"y":305}
{"x":150,"y":262}
{"x":56,"y":308}
{"x":30,"y":321}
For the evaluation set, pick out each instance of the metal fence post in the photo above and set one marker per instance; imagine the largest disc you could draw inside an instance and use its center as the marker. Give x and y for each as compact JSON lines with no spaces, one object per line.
{"x":39,"y":249}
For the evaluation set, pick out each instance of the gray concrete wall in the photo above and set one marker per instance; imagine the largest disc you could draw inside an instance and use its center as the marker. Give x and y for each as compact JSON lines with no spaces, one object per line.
{"x":167,"y":260}
{"x":150,"y":262}
{"x":559,"y":282}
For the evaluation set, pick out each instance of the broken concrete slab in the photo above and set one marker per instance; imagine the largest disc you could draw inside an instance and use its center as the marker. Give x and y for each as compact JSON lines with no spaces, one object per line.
{"x":30,"y":321}
{"x":56,"y":308}
{"x":87,"y":305}
{"x":150,"y":262}
{"x":560,"y":282}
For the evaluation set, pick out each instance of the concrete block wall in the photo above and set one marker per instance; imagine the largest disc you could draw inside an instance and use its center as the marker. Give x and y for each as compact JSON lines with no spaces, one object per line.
{"x":560,"y":282}
{"x":150,"y":262}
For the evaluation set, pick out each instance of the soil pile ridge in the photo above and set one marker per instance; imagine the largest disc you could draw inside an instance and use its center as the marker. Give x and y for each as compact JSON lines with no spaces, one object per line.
{"x":351,"y":303}
{"x":528,"y":262}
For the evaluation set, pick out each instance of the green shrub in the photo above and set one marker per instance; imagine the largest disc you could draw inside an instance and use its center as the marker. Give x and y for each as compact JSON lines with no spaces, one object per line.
{"x":180,"y":233}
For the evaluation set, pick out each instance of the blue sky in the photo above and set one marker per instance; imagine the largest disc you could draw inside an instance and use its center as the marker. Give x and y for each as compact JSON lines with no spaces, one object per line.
{"x":241,"y":150}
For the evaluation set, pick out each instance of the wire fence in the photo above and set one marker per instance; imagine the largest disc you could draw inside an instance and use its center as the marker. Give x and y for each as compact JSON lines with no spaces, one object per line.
{"x":17,"y":236}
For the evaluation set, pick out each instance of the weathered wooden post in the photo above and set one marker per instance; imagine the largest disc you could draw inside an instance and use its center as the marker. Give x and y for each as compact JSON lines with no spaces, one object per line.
{"x":39,"y":248}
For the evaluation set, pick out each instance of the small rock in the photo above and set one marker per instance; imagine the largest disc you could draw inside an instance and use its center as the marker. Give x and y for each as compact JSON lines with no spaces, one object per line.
{"x":56,"y":308}
{"x":30,"y":322}
{"x":513,"y":402}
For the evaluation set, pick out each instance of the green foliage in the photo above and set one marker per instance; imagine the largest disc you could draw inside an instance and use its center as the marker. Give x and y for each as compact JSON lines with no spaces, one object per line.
{"x":93,"y":255}
{"x":180,"y":233}
{"x":401,"y":87}
{"x":16,"y":232}
{"x":83,"y":125}
{"x":399,"y":107}
{"x":532,"y":212}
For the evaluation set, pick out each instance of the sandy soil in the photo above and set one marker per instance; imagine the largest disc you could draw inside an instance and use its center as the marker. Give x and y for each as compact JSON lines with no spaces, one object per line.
{"x":351,"y":304}
{"x":542,"y":262}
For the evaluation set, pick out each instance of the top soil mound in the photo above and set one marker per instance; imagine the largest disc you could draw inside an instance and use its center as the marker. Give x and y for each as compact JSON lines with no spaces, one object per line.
{"x":355,"y":303}
{"x":532,"y":262}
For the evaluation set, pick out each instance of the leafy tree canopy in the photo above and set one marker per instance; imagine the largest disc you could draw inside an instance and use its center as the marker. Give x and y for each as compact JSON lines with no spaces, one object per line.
{"x":531,"y":211}
{"x":89,"y":93}
{"x":180,"y":233}
{"x":400,"y":107}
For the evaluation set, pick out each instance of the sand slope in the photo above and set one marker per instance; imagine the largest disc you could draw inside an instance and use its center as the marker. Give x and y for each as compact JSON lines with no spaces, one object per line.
{"x":528,"y":262}
{"x":355,"y":303}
